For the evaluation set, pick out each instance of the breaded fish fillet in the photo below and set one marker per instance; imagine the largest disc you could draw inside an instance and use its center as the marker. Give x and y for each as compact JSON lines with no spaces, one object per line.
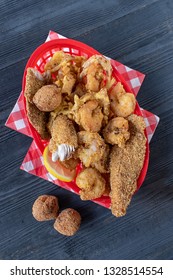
{"x":34,"y":81}
{"x":125,"y":166}
{"x":63,"y":131}
{"x":38,"y":119}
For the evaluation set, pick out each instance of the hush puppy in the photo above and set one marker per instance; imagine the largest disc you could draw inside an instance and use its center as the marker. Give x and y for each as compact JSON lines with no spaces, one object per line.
{"x":68,"y":222}
{"x":47,"y":98}
{"x":45,"y":208}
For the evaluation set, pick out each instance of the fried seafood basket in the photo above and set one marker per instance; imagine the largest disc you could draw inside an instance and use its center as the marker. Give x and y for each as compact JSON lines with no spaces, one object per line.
{"x":40,"y":57}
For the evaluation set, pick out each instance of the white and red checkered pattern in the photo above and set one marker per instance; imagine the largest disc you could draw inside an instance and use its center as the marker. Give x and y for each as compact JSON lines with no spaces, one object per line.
{"x":33,"y":161}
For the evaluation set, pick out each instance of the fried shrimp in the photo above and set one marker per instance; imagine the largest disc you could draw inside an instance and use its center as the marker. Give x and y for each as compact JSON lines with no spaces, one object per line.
{"x":122,"y":103}
{"x":91,"y":116}
{"x":117,"y":131}
{"x":97,"y":111}
{"x":91,"y":147}
{"x":97,"y":70}
{"x":91,"y":183}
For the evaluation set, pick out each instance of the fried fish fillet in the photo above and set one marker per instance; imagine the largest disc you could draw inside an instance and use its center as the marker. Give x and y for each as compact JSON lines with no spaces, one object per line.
{"x":125,"y":166}
{"x":63,"y":131}
{"x":38,"y":119}
{"x":34,"y":81}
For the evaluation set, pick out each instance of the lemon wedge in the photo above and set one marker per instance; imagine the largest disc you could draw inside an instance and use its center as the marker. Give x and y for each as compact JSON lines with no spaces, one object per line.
{"x":56,"y":168}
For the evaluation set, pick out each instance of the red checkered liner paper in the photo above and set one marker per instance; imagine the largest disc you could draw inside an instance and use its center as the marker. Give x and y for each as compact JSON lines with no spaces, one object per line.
{"x":33,"y":161}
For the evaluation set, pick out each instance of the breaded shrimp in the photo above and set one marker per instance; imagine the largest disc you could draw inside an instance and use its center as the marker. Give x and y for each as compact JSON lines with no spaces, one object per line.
{"x":91,"y":116}
{"x":91,"y":147}
{"x":94,"y":77}
{"x":100,"y":99}
{"x":122,"y":103}
{"x":91,"y":183}
{"x":96,"y":69}
{"x":117,"y":131}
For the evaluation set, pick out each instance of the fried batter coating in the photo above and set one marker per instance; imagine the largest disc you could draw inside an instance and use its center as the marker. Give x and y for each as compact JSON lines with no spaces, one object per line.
{"x":64,"y":109}
{"x":80,"y":90}
{"x":100,"y":103}
{"x":45,"y":208}
{"x":64,"y":140}
{"x":117,"y":131}
{"x":70,"y":163}
{"x":126,"y":165}
{"x":91,"y":116}
{"x":122,"y":103}
{"x":63,"y":61}
{"x":68,"y":222}
{"x":103,"y":164}
{"x":47,"y":98}
{"x":38,"y":119}
{"x":136,"y":123}
{"x":91,"y":183}
{"x":91,"y":147}
{"x":63,"y":131}
{"x":67,"y":69}
{"x":94,"y":77}
{"x":68,"y":82}
{"x":96,"y":69}
{"x":34,"y":81}
{"x":55,"y":62}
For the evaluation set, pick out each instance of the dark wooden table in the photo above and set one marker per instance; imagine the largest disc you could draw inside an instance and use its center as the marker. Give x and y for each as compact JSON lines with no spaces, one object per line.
{"x":138,"y":34}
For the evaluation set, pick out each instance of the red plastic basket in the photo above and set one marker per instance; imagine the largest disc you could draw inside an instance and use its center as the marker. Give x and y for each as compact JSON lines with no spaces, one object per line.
{"x":43,"y":54}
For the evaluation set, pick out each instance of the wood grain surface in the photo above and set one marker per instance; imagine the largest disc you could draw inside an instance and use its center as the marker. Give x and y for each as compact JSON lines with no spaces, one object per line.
{"x":137,"y":33}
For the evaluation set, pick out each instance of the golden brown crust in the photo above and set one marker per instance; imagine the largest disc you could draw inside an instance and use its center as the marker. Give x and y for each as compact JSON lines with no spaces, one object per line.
{"x":38,"y":119}
{"x":68,"y":222}
{"x":91,"y":116}
{"x":33,"y":83}
{"x":91,"y":147}
{"x":63,"y":131}
{"x":45,"y":208}
{"x":91,"y":183}
{"x":103,"y":164}
{"x":107,"y":191}
{"x":70,"y":163}
{"x":117,"y":131}
{"x":126,"y":165}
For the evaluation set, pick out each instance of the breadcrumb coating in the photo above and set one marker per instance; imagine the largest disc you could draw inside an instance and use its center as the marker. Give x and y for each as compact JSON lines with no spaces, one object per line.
{"x":63,"y":131}
{"x":126,"y":165}
{"x":34,"y":81}
{"x":38,"y":119}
